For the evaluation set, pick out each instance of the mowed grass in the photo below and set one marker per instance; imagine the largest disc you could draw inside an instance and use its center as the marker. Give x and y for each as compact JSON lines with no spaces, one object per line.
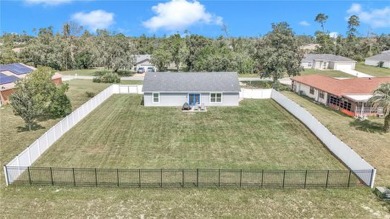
{"x":328,"y":72}
{"x":365,"y":137}
{"x":124,"y":134}
{"x":81,"y":72}
{"x":372,"y":70}
{"x":14,"y":140}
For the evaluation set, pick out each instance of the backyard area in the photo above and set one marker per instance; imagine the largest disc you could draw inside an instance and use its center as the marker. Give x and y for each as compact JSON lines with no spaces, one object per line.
{"x":328,"y":72}
{"x":124,"y":134}
{"x":74,"y":202}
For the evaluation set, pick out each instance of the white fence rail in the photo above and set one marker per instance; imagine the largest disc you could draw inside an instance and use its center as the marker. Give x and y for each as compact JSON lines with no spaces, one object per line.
{"x":336,"y":146}
{"x":255,"y":93}
{"x":36,"y":149}
{"x":341,"y":150}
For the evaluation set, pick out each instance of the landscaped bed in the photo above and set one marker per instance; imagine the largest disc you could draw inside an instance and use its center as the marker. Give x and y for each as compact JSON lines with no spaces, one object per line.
{"x":124,"y":134}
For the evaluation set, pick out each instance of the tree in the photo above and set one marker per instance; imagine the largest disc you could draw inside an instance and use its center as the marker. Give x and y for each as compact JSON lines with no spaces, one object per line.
{"x":161,"y":58}
{"x":176,"y":45}
{"x":353,"y":23}
{"x":381,"y":99}
{"x":37,"y":97}
{"x":321,"y":18}
{"x":278,"y":53}
{"x":194,"y":44}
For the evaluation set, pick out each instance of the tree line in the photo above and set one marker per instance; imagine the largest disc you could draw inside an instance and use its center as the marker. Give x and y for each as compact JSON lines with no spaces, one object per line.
{"x":75,"y":48}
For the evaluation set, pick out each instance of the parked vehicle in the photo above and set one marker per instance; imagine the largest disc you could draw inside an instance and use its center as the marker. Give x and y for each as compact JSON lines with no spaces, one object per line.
{"x":141,"y":70}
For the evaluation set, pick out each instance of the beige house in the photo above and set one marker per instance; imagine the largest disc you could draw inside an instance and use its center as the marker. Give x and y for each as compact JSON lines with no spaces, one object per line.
{"x":327,"y":61}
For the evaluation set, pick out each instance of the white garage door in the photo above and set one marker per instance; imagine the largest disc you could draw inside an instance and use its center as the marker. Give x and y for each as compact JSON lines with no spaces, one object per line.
{"x":343,"y":66}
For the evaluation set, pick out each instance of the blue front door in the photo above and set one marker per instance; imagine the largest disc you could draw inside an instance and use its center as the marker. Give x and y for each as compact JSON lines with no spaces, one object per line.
{"x":193,"y":99}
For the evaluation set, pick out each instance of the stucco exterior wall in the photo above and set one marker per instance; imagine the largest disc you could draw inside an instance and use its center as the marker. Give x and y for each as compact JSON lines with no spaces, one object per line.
{"x":178,"y":99}
{"x":305,"y":90}
{"x":375,"y":63}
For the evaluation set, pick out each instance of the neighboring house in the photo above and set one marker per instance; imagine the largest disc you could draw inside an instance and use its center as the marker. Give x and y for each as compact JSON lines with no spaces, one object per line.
{"x":350,"y":96}
{"x":382,"y":57}
{"x":327,"y":61}
{"x":143,"y":61}
{"x":10,"y":73}
{"x":194,"y":88}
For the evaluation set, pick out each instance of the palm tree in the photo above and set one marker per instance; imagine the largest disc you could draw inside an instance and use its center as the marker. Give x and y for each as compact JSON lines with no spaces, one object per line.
{"x":321,"y":18}
{"x":381,"y":98}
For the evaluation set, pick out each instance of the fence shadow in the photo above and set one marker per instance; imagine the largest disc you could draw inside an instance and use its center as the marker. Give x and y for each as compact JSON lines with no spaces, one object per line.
{"x":367,"y":126}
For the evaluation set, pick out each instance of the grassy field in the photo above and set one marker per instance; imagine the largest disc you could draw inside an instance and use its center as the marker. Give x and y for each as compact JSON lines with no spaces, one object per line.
{"x":365,"y":137}
{"x":124,"y":134}
{"x":81,"y":72}
{"x":372,"y":70}
{"x":330,"y":73}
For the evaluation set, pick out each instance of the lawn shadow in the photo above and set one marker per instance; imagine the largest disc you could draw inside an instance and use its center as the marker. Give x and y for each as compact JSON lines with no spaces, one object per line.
{"x":33,"y":128}
{"x":367,"y":126}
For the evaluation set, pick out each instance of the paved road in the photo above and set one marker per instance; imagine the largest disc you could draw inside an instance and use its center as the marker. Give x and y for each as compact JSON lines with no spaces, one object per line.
{"x":141,"y":78}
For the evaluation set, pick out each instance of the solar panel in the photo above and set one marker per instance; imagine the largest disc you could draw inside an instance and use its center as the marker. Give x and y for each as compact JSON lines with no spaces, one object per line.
{"x":4,"y":79}
{"x":16,"y":68}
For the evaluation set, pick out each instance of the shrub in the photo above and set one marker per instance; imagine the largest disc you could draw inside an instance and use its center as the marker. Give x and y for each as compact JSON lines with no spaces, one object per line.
{"x":90,"y":94}
{"x":108,"y":77}
{"x":100,"y":73}
{"x":124,"y":73}
{"x":380,"y":64}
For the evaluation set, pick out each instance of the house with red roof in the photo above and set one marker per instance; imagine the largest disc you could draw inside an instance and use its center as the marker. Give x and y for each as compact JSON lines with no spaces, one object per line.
{"x":350,"y":96}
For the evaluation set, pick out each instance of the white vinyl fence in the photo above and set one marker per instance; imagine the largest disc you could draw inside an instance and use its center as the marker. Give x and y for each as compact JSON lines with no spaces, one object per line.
{"x":349,"y":157}
{"x":36,"y":149}
{"x":341,"y":150}
{"x":255,"y":93}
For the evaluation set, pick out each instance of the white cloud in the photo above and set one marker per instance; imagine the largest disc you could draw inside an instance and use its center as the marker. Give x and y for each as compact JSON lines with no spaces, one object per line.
{"x":180,"y":14}
{"x":93,"y":20}
{"x":333,"y":34}
{"x":304,"y":23}
{"x":47,"y":2}
{"x":375,"y":18}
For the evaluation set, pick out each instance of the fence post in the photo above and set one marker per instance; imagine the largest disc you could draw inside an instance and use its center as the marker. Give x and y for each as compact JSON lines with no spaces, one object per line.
{"x":139,"y":178}
{"x":51,"y":176}
{"x":349,"y":177}
{"x":6,"y":175}
{"x":29,"y":175}
{"x":372,"y":178}
{"x":327,"y":178}
{"x":304,"y":185}
{"x":74,"y":177}
{"x":240,"y":178}
{"x":161,"y":178}
{"x":96,"y":179}
{"x":117,"y":177}
{"x":219,"y":177}
{"x":182,"y":178}
{"x":197,"y":177}
{"x":262,"y":178}
{"x":284,"y":176}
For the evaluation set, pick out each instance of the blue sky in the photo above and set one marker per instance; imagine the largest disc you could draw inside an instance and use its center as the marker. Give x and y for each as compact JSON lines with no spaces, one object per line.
{"x":242,"y":18}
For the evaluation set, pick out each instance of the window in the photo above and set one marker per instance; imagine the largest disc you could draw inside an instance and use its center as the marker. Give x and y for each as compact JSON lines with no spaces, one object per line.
{"x":156,"y":97}
{"x":311,"y":90}
{"x":216,"y":98}
{"x":321,"y":94}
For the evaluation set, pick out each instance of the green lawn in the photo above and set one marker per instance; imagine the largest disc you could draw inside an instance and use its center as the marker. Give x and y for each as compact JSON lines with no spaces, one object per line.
{"x":365,"y":137}
{"x":330,"y":73}
{"x":372,"y":70}
{"x":124,"y":134}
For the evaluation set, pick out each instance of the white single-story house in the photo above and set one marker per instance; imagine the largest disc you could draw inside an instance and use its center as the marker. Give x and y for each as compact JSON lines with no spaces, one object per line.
{"x":382,"y":57}
{"x":327,"y":61}
{"x":194,"y":88}
{"x":350,"y":96}
{"x":143,"y":61}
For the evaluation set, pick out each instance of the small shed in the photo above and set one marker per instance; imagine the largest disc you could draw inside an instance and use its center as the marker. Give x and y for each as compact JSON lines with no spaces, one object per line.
{"x":194,"y":88}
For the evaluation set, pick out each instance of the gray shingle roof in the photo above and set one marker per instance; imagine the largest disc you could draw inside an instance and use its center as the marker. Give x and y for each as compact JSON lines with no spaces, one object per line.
{"x":191,"y":82}
{"x":384,"y":56}
{"x":140,"y":58}
{"x":327,"y":57}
